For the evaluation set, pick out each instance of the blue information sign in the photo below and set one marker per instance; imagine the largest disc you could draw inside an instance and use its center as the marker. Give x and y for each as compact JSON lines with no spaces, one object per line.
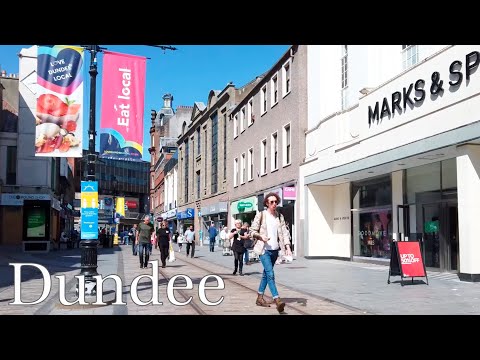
{"x":89,"y":210}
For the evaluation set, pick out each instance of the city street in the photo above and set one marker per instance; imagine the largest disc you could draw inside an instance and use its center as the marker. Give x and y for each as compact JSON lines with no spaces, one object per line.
{"x":309,"y":287}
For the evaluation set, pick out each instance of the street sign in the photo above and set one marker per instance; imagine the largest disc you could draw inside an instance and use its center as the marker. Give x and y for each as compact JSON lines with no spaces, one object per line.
{"x":406,"y":260}
{"x":89,"y":212}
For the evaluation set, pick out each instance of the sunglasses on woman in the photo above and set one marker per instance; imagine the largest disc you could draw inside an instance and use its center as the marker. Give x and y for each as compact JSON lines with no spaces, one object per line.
{"x":273,"y":202}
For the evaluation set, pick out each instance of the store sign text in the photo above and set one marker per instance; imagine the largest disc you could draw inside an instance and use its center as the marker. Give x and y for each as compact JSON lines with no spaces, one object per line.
{"x":415,"y":93}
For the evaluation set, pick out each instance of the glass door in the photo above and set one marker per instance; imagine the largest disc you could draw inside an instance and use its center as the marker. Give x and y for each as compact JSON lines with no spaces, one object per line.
{"x":440,"y":229}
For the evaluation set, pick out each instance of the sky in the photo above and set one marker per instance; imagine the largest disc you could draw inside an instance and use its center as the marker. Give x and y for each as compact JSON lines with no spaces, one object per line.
{"x":189,"y":73}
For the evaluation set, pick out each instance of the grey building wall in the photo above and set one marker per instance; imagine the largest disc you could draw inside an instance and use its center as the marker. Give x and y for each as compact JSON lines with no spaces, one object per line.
{"x":290,"y":109}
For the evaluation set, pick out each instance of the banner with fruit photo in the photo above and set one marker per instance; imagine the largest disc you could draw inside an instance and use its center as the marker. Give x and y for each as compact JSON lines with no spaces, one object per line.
{"x":58,"y":114}
{"x":123,"y":90}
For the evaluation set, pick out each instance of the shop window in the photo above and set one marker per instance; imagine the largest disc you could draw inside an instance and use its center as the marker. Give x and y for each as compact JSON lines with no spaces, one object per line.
{"x":374,"y":235}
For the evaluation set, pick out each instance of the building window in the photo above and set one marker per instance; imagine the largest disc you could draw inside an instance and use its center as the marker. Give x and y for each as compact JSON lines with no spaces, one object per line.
{"x":153,"y":140}
{"x":235,"y":172}
{"x":344,"y":66}
{"x":242,"y":169}
{"x":198,"y":184}
{"x":250,"y":113}
{"x":274,"y":90}
{"x":274,"y":152}
{"x":214,"y":152}
{"x":11,"y":178}
{"x":286,"y":78}
{"x":198,"y":141}
{"x":187,"y":150}
{"x":225,"y":147}
{"x":235,"y":126}
{"x":242,"y":119}
{"x":263,"y":154}
{"x":250,"y":164}
{"x":409,"y":56}
{"x":263,"y":99}
{"x":287,"y":151}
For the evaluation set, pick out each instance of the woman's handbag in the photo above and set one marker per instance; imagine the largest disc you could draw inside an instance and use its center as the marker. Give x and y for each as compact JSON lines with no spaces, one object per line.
{"x":259,"y":246}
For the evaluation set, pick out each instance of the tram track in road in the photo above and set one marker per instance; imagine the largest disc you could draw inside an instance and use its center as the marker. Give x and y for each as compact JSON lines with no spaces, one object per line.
{"x":244,"y":290}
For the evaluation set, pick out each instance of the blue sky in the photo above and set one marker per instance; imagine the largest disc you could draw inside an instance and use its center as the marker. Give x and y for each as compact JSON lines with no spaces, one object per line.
{"x":188,"y":73}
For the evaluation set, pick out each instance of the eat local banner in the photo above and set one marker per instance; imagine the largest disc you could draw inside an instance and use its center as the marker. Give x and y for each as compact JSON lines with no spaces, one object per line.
{"x":123,"y":90}
{"x":59,"y":107}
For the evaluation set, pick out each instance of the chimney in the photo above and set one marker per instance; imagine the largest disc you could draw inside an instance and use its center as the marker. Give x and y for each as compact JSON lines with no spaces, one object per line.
{"x":167,"y":101}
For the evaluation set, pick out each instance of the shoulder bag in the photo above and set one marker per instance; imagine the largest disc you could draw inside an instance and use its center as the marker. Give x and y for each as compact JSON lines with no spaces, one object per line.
{"x":258,"y":248}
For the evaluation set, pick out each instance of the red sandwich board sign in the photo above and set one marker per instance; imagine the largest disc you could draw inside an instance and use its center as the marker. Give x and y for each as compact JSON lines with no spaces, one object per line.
{"x":406,"y":260}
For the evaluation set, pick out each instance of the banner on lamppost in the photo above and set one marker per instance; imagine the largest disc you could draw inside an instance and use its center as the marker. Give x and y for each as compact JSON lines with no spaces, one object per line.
{"x":120,"y":206}
{"x":59,"y":110}
{"x":123,"y":90}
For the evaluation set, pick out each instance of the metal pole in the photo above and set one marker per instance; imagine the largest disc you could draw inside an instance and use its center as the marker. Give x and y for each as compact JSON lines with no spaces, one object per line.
{"x":89,"y":247}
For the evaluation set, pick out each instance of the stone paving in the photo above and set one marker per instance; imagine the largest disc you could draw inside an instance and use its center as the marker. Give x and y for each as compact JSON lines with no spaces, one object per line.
{"x":307,"y":286}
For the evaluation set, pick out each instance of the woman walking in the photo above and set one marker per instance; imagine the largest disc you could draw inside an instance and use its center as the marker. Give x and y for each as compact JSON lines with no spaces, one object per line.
{"x":237,"y":247}
{"x":272,"y":235}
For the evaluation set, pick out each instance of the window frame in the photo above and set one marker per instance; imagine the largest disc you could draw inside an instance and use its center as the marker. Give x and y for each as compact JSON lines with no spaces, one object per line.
{"x":274,"y":90}
{"x":274,"y":151}
{"x":250,"y":166}
{"x":263,"y":100}
{"x":286,"y":81}
{"x":286,"y":145}
{"x":263,"y":156}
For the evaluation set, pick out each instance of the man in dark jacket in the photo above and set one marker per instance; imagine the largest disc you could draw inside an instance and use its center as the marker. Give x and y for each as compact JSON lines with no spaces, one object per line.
{"x":163,"y":241}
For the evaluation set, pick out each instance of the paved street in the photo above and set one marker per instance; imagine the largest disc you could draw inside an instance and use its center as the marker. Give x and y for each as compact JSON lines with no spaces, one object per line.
{"x":323,"y":287}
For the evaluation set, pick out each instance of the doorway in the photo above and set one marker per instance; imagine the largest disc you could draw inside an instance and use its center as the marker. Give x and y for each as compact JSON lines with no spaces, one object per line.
{"x":439,"y":224}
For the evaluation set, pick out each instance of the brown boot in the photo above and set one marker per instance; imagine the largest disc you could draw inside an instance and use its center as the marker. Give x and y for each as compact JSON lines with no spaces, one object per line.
{"x":280,"y":305}
{"x":261,"y":301}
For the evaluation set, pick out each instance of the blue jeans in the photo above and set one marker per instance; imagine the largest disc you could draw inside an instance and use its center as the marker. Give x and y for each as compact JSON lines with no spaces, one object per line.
{"x":212,"y":244}
{"x":246,"y":257}
{"x":268,"y":277}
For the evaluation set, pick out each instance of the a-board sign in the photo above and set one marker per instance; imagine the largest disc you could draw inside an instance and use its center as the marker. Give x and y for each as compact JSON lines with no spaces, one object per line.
{"x":411,"y":260}
{"x":406,"y":260}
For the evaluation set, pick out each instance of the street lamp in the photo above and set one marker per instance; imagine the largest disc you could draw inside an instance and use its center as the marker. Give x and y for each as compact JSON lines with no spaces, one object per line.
{"x":89,"y":247}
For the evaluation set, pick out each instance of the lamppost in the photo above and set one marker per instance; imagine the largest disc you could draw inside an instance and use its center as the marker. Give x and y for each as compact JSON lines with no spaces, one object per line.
{"x":89,"y":247}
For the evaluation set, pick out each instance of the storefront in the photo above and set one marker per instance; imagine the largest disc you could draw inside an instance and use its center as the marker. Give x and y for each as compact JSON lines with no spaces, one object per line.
{"x":244,"y":209}
{"x":185,"y":218}
{"x":171,"y":218}
{"x":31,"y":220}
{"x":216,"y":213}
{"x":402,"y":165}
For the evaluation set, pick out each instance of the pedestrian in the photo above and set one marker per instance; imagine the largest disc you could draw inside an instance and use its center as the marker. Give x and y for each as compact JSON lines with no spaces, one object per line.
{"x":237,"y":247}
{"x":212,"y":234}
{"x":271,"y":233}
{"x":144,"y":233}
{"x":225,"y":241}
{"x":190,"y":239}
{"x":163,"y":241}
{"x":247,"y":242}
{"x":133,"y":235}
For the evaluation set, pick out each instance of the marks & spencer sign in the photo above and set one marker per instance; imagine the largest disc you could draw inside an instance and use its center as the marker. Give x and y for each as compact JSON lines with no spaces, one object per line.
{"x":413,"y":95}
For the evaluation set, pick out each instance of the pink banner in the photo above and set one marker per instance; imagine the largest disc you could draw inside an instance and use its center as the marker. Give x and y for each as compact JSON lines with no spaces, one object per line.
{"x":123,"y":90}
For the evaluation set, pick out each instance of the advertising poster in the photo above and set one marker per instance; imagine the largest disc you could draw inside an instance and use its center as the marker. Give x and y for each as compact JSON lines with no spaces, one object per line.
{"x":58,"y":115}
{"x":89,"y":210}
{"x":36,"y":223}
{"x":123,"y":90}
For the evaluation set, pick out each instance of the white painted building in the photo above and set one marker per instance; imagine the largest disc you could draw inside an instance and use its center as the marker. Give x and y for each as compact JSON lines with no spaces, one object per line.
{"x":392,"y":150}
